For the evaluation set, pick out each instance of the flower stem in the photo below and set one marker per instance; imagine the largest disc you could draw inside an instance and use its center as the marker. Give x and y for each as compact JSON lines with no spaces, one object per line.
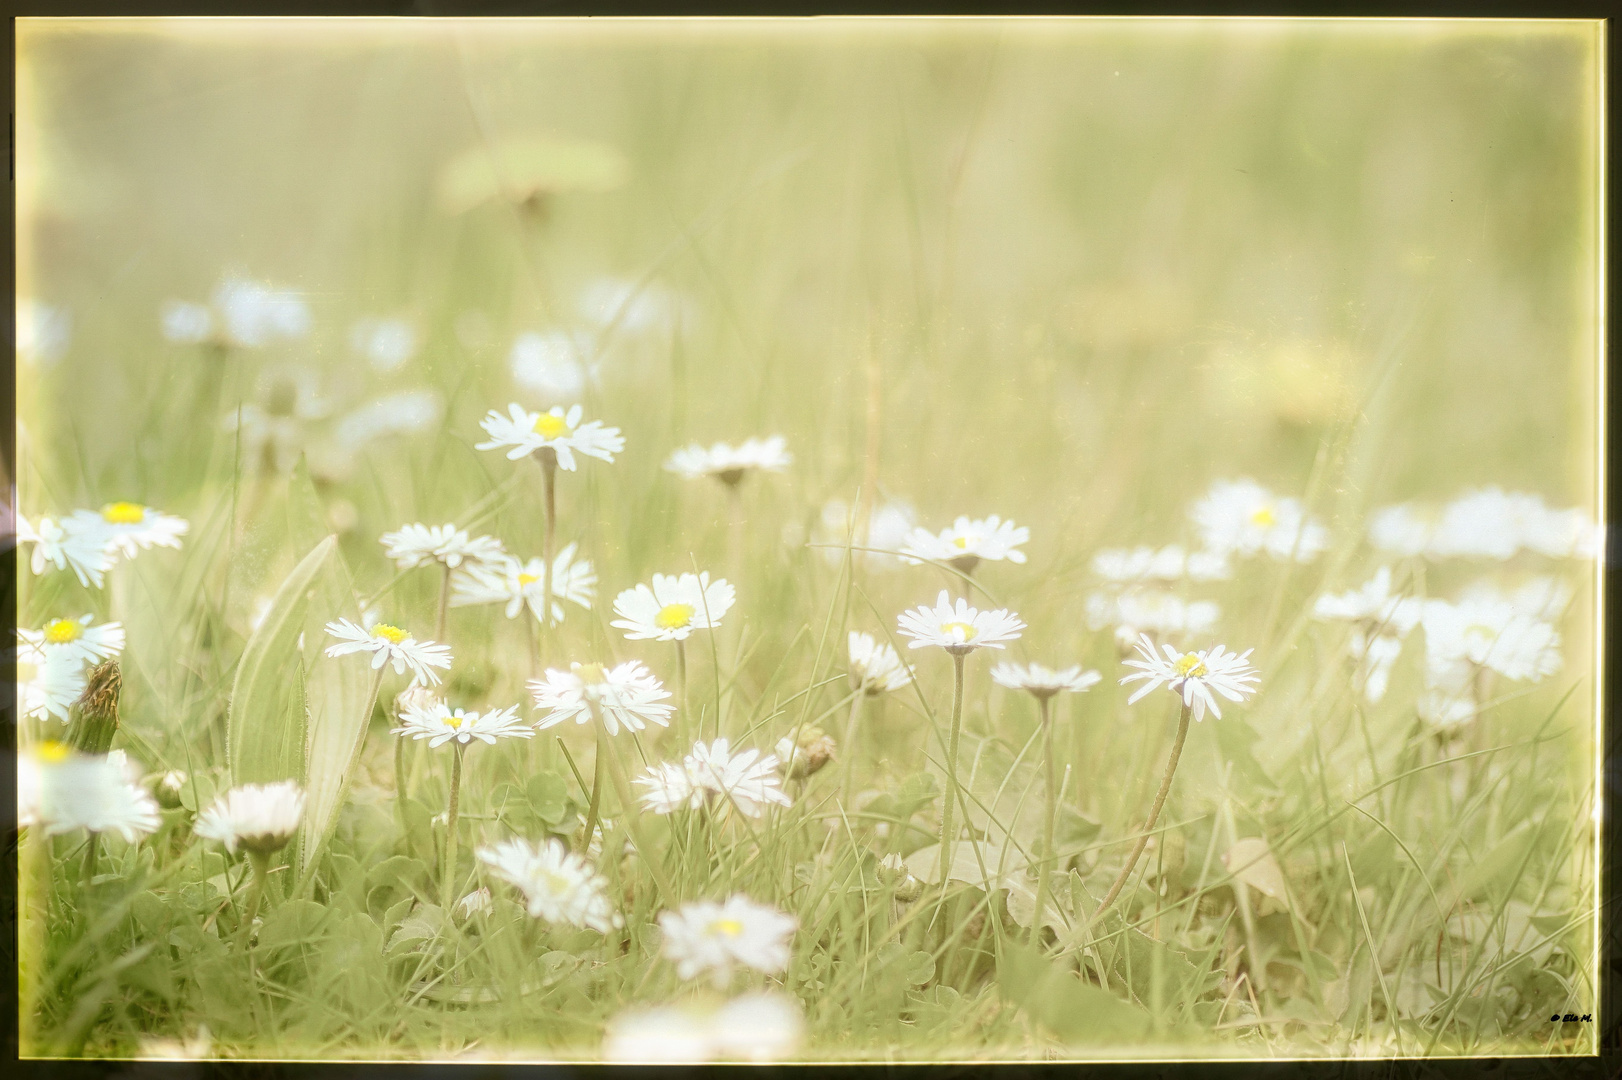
{"x":549,"y":475}
{"x":1044,"y":870}
{"x":90,"y":859}
{"x":735,"y":530}
{"x":448,"y":876}
{"x":1154,"y":815}
{"x":444,"y":604}
{"x":849,"y":748}
{"x":261,"y":864}
{"x":948,"y":836}
{"x":681,"y":675}
{"x":597,"y":779}
{"x":628,"y":808}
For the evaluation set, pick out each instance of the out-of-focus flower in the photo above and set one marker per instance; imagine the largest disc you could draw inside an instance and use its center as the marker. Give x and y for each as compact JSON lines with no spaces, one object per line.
{"x":85,"y":552}
{"x":60,"y":790}
{"x":49,"y":681}
{"x":391,"y":644}
{"x":1380,"y":621}
{"x":889,"y":524}
{"x":1243,"y":518}
{"x":77,"y":638}
{"x":1043,"y":682}
{"x":409,"y":412}
{"x":1126,"y":566}
{"x":196,"y":1048}
{"x":549,"y":365}
{"x":1150,"y":611}
{"x":730,"y":464}
{"x":709,"y":937}
{"x":128,"y":528}
{"x":43,"y":331}
{"x":559,"y":885}
{"x":631,"y":306}
{"x":385,"y":343}
{"x":255,"y":315}
{"x":1486,"y":633}
{"x":260,"y":818}
{"x":967,"y":542}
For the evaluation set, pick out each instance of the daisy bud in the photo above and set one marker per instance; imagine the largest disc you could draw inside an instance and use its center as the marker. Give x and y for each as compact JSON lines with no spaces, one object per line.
{"x":807,"y":754}
{"x":96,"y":712}
{"x":168,"y":788}
{"x":909,"y":890}
{"x":474,"y":903}
{"x":891,"y":870}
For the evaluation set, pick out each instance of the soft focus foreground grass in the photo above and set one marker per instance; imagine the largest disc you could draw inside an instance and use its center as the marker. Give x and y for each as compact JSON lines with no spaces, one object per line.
{"x":1095,"y":267}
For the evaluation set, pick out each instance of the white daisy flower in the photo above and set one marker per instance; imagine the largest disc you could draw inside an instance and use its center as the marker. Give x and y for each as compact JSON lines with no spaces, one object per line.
{"x":874,"y":666}
{"x":1376,"y":654}
{"x":1543,"y":597}
{"x":260,"y":818}
{"x":1150,"y":611}
{"x":414,"y":545}
{"x":1381,"y":620}
{"x":555,"y":430}
{"x":408,"y":412}
{"x":128,"y":527}
{"x":1486,"y":633}
{"x":440,"y":724}
{"x":1488,"y":523}
{"x":745,"y":779}
{"x":673,"y":607}
{"x":77,"y":638}
{"x":1404,"y":530}
{"x":386,"y":343}
{"x":60,"y":790}
{"x":667,"y":1035}
{"x":727,"y":463}
{"x":710,"y":937}
{"x":1243,"y":518}
{"x":549,"y":365}
{"x":254,"y":315}
{"x":49,"y":681}
{"x":390,"y":644}
{"x":559,"y":885}
{"x":186,"y":322}
{"x":626,"y":696}
{"x":474,"y":903}
{"x":758,"y":1027}
{"x":84,"y":551}
{"x":1043,"y":682}
{"x":1192,"y":676}
{"x":668,"y":788}
{"x":958,"y":629}
{"x":1125,"y":566}
{"x":1444,"y":710}
{"x":519,"y":584}
{"x":888,"y":526}
{"x":967,"y":542}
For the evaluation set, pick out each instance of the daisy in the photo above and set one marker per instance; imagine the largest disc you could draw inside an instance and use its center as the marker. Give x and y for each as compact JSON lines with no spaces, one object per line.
{"x":706,"y":936}
{"x":559,"y":885}
{"x":405,"y":413}
{"x":1042,"y":682}
{"x":259,"y":818}
{"x":49,"y":681}
{"x":1170,"y":563}
{"x":1488,"y":523}
{"x":554,"y":430}
{"x":626,"y":696}
{"x":386,"y":343}
{"x":728,"y":464}
{"x":169,"y":787}
{"x":414,"y":545}
{"x":77,"y":638}
{"x":519,"y":584}
{"x":1149,"y":611}
{"x":1486,"y":633}
{"x":757,"y":1027}
{"x":960,"y":629}
{"x":1192,"y":676}
{"x":1404,"y":530}
{"x":673,"y":607}
{"x":667,"y":788}
{"x":549,"y":365}
{"x":85,"y":551}
{"x":1562,"y":534}
{"x":439,"y":724}
{"x":745,"y":779}
{"x":62,"y":790}
{"x":254,"y":315}
{"x":1542,"y":597}
{"x":874,"y":667}
{"x":390,"y":643}
{"x":1244,"y":518}
{"x":888,"y":526}
{"x":186,"y":322}
{"x":1380,"y":620}
{"x":967,"y":542}
{"x":128,"y":527}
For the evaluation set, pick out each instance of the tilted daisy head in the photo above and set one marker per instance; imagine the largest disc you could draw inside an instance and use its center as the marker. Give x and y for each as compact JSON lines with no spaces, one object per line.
{"x":390,"y":644}
{"x":729,"y":464}
{"x":1193,"y":675}
{"x":440,"y":724}
{"x":874,"y":666}
{"x":414,"y":545}
{"x":709,"y":937}
{"x":1043,"y":682}
{"x":673,"y":607}
{"x":967,"y":542}
{"x":259,"y":817}
{"x":558,"y":885}
{"x":959,"y":628}
{"x":627,"y":695}
{"x":742,"y":779}
{"x":555,"y":431}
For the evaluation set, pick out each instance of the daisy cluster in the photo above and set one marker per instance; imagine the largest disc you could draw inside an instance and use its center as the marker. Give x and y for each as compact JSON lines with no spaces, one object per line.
{"x":54,"y":662}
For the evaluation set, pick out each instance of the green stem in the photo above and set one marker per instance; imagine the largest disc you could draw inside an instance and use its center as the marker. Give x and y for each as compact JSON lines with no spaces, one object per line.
{"x":448,"y":873}
{"x":596,"y":794}
{"x":849,"y":748}
{"x":681,"y":676}
{"x":948,"y":837}
{"x":1154,"y":814}
{"x":260,"y":863}
{"x":549,"y":474}
{"x":90,"y":860}
{"x":1044,"y":870}
{"x":444,"y":605}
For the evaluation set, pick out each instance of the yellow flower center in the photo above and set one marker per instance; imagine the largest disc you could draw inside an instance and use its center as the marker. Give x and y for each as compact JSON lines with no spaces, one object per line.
{"x":961,"y":630}
{"x":124,"y":513}
{"x":526,"y":580}
{"x":1263,"y":517}
{"x":1191,"y":666}
{"x":556,"y":883}
{"x":62,"y":631}
{"x":52,"y":751}
{"x":962,"y":542}
{"x":550,"y":426}
{"x":728,"y":927}
{"x":1478,"y":634}
{"x":454,"y":721}
{"x":673,"y":616}
{"x":391,"y":634}
{"x":590,"y":673}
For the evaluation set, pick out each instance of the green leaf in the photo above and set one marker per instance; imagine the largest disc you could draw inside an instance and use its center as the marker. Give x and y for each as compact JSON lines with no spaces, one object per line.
{"x":548,"y":796}
{"x":975,"y":863}
{"x":292,"y":923}
{"x":916,"y":792}
{"x":1076,"y":1011}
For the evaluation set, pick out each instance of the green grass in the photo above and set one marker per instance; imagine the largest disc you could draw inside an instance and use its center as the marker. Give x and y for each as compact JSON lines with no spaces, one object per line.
{"x":1087,"y":269}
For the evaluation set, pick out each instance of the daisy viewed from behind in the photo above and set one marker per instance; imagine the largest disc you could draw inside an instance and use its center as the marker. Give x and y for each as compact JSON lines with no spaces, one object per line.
{"x":390,"y":644}
{"x":967,"y":542}
{"x":673,"y":607}
{"x":959,"y":628}
{"x":729,"y":464}
{"x":1043,"y":682}
{"x":1193,"y":676}
{"x":411,"y":546}
{"x":260,"y":818}
{"x":1243,"y":518}
{"x":558,"y":885}
{"x":716,"y":938}
{"x":440,"y":724}
{"x":558,"y":431}
{"x":874,"y":666}
{"x":627,"y":695}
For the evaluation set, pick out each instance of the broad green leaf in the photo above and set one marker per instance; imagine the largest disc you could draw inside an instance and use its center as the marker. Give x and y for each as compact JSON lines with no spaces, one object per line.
{"x":1076,"y":1011}
{"x":293,"y":923}
{"x":985,"y":865}
{"x":548,"y":796}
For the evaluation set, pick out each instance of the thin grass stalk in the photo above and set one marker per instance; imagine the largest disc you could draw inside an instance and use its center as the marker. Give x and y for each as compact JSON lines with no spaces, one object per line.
{"x":1043,"y":870}
{"x":628,"y":811}
{"x":596,"y":795}
{"x":947,"y":835}
{"x":849,"y":747}
{"x":448,"y":875}
{"x":444,"y":604}
{"x":1154,"y":815}
{"x":549,"y":471}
